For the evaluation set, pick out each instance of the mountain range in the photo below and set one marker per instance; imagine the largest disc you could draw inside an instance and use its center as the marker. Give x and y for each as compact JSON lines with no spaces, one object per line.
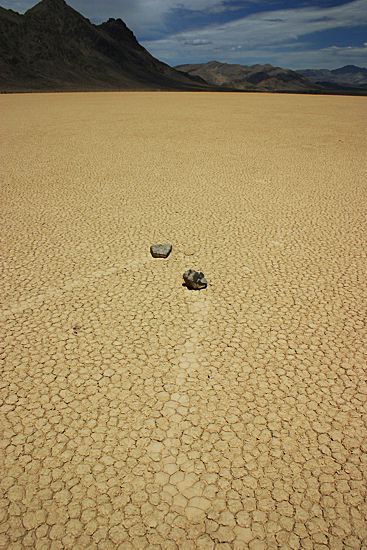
{"x":52,"y":47}
{"x":350,"y":75}
{"x":242,"y":77}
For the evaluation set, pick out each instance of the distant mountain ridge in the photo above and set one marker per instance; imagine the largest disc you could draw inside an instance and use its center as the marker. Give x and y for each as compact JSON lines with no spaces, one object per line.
{"x":53,"y":47}
{"x":242,"y":77}
{"x":349,"y":75}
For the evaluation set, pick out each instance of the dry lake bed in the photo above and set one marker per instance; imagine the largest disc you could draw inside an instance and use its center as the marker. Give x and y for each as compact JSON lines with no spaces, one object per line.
{"x":137,"y":413}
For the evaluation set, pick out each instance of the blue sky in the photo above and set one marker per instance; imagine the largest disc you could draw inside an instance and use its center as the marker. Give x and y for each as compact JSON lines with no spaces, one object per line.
{"x":296,"y":34}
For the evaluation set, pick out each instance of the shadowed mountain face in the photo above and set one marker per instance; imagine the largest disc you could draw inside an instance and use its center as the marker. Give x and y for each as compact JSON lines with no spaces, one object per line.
{"x":256,"y":77}
{"x":350,"y":75}
{"x":53,"y":47}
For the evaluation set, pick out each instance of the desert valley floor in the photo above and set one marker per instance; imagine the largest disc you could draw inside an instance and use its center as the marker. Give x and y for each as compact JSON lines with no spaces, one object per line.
{"x":138,"y":413}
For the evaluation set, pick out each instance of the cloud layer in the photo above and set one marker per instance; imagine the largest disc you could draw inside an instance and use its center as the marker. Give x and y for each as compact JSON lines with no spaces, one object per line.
{"x":282,"y":37}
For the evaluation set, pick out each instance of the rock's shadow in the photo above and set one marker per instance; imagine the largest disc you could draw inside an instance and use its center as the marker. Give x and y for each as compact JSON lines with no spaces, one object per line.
{"x":189,"y":288}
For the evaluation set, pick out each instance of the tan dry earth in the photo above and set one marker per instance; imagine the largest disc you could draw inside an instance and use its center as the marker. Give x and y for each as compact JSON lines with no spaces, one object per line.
{"x":139,"y":414}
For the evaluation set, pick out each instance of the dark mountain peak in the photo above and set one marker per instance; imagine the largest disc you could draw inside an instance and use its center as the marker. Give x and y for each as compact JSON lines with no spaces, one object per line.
{"x":118,"y":23}
{"x":53,"y":47}
{"x":349,"y":69}
{"x":263,"y":68}
{"x":55,"y":16}
{"x":118,"y":30}
{"x":48,"y":6}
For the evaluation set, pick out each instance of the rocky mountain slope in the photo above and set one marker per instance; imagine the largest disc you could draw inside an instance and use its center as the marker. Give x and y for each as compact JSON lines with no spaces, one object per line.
{"x":53,"y":47}
{"x":349,"y":75}
{"x":256,"y":77}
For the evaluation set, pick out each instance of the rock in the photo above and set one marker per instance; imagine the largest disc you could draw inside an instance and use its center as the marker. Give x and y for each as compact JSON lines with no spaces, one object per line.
{"x":160,"y":250}
{"x":195,"y":279}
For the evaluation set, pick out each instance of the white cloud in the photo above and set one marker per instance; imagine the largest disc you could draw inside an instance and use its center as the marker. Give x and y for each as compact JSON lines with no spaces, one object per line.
{"x":347,"y":51}
{"x":197,"y":42}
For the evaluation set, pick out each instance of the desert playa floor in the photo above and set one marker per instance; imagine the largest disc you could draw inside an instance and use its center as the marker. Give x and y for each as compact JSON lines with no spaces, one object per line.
{"x":138,"y":413}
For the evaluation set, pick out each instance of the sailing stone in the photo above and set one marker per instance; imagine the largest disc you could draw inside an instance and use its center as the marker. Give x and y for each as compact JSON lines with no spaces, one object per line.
{"x":195,"y":279}
{"x":160,"y":250}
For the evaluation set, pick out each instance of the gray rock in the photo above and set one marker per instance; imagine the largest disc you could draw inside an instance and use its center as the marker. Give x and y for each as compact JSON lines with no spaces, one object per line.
{"x":160,"y":250}
{"x":195,"y":279}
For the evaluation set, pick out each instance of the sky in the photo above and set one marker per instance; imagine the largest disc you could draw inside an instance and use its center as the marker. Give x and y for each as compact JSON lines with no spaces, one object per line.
{"x":294,"y":34}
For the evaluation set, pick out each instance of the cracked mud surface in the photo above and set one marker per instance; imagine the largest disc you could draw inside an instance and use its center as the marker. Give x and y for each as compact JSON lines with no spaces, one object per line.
{"x":137,"y":413}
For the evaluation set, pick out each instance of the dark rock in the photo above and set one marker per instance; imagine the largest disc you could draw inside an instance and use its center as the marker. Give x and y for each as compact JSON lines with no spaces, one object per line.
{"x":160,"y":250}
{"x":195,"y":279}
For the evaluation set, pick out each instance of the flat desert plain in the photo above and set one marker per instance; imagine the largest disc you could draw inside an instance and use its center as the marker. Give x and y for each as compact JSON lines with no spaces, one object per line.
{"x":138,"y":413}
